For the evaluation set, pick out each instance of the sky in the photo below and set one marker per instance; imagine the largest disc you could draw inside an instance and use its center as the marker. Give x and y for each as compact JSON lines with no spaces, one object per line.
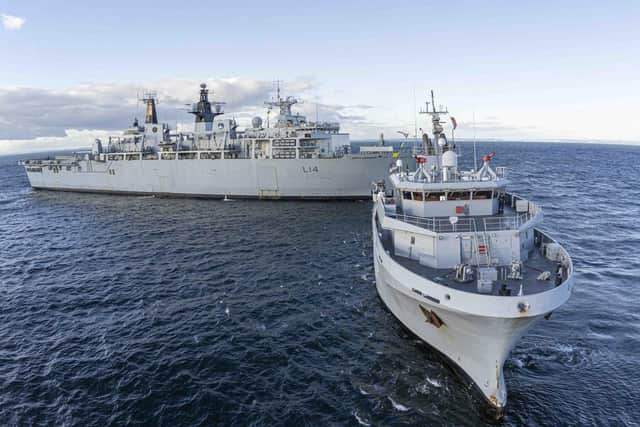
{"x":71,"y":70}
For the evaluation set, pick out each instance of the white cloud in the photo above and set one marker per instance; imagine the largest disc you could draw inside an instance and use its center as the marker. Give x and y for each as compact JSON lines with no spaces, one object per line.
{"x":72,"y":139}
{"x":34,"y":119}
{"x":11,"y":23}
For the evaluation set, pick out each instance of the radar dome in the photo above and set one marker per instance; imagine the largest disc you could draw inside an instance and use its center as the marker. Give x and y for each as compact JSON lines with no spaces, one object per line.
{"x":449,"y":159}
{"x":256,"y":122}
{"x":203,"y":85}
{"x":218,"y":108}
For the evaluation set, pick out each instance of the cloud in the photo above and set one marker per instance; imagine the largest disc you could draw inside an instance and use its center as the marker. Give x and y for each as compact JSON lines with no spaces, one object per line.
{"x":40,"y":119}
{"x":11,"y":23}
{"x":72,"y":139}
{"x":27,"y":112}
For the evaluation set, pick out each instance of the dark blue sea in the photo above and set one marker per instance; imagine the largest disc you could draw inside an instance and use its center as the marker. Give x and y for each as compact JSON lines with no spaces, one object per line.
{"x":122,"y":310}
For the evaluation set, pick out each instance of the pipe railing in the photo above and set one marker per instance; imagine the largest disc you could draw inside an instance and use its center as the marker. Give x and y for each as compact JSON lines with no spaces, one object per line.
{"x":463,"y":225}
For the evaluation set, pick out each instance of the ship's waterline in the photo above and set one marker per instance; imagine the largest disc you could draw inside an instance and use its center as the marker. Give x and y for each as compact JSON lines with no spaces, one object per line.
{"x":293,"y":159}
{"x":242,"y":178}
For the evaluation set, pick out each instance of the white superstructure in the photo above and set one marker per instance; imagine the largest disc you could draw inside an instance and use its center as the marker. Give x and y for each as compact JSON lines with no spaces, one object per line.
{"x":460,"y":262}
{"x":295,"y":158}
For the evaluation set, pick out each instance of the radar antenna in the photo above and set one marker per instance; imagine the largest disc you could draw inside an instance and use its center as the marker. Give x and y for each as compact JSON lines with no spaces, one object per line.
{"x":283,"y":104}
{"x":437,"y":128}
{"x":202,"y":109}
{"x":276,"y":83}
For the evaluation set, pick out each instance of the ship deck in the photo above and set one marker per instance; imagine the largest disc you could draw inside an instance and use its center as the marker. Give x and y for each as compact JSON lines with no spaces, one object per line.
{"x":532,"y":267}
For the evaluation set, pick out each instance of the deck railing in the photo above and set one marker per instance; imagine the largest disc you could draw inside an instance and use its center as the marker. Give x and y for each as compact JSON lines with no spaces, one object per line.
{"x":464,"y":225}
{"x":527,"y":211}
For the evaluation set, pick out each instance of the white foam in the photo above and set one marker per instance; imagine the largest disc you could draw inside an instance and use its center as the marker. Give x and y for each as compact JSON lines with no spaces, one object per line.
{"x":360,"y":420}
{"x":564,"y":348}
{"x":601,"y":336}
{"x":226,"y":311}
{"x":434,"y":383}
{"x":398,"y":406}
{"x":362,"y":392}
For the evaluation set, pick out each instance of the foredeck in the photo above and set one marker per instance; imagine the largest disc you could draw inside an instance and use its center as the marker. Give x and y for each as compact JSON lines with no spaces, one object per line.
{"x":535,"y":265}
{"x":532,"y":268}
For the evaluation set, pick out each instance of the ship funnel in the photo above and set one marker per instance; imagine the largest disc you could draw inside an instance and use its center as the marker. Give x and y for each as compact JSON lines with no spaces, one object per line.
{"x":151,"y":117}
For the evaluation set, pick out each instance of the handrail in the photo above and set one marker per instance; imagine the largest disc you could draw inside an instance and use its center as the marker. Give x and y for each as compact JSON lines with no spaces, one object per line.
{"x":443,"y":225}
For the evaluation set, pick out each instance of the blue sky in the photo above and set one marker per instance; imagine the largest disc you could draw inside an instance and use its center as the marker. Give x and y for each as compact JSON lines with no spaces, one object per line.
{"x":541,"y":70}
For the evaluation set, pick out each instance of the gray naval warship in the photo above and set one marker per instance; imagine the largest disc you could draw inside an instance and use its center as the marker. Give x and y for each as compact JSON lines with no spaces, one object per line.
{"x":462,"y":262}
{"x":294,"y":159}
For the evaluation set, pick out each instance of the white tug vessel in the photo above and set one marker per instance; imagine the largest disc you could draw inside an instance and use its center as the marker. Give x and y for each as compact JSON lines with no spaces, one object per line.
{"x":295,"y":158}
{"x":460,"y":262}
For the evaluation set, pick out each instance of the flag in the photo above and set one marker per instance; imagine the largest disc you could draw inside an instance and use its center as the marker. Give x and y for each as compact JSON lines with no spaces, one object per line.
{"x":453,"y":120}
{"x":395,"y":155}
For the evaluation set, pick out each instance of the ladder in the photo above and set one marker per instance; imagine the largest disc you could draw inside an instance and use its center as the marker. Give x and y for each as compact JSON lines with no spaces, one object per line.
{"x":481,"y":246}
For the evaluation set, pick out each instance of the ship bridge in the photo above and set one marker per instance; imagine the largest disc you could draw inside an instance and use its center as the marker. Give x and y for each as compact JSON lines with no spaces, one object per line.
{"x":439,"y":220}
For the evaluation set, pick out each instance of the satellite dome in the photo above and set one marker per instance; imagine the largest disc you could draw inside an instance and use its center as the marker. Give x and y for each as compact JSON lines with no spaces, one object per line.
{"x":450,"y":159}
{"x":256,"y":122}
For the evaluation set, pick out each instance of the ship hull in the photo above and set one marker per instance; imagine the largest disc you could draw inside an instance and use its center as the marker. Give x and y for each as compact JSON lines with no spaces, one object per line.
{"x":342,"y":178}
{"x":475,"y":337}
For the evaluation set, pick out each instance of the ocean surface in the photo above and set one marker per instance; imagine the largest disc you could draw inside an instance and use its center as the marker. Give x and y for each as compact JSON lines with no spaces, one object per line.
{"x":140,"y":310}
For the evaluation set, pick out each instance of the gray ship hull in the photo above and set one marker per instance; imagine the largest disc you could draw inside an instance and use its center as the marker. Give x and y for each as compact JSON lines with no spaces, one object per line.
{"x":349,"y":177}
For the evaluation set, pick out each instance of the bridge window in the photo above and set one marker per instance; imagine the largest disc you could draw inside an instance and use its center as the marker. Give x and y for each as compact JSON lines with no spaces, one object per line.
{"x":418,"y":196}
{"x":406,"y":195}
{"x":482,"y":195}
{"x":459,"y":195}
{"x":435,"y":196}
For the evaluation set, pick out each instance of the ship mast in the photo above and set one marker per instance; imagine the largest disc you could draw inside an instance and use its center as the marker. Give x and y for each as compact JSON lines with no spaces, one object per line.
{"x":439,"y":138}
{"x":283,"y":104}
{"x":202,"y":109}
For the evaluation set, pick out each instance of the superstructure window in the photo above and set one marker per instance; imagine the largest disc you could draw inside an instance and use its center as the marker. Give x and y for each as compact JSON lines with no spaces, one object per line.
{"x":482,"y":194}
{"x":418,"y":196}
{"x":435,"y":196}
{"x":459,"y":195}
{"x":406,"y":195}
